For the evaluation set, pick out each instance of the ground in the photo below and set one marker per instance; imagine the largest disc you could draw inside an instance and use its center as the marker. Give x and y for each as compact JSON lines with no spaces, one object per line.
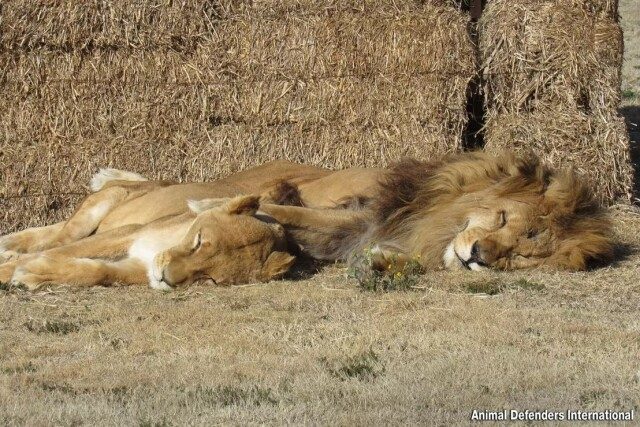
{"x":319,"y":350}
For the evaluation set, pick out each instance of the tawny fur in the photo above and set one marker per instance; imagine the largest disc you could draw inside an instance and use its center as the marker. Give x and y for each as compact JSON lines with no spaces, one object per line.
{"x":105,"y":175}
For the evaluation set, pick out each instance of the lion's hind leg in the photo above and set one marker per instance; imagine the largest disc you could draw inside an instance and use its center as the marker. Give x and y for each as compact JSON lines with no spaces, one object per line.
{"x":51,"y":270}
{"x":111,"y":187}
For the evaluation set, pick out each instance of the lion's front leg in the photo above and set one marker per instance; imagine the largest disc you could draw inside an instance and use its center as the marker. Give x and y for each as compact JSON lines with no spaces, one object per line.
{"x":325,"y":234}
{"x":48,"y":270}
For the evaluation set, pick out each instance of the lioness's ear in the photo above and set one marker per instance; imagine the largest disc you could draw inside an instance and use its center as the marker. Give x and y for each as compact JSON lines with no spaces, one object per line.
{"x":199,"y":206}
{"x":243,"y":205}
{"x":276,"y":265}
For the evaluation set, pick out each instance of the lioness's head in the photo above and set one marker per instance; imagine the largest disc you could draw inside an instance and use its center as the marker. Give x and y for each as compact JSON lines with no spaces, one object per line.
{"x":228,"y":242}
{"x":478,"y":211}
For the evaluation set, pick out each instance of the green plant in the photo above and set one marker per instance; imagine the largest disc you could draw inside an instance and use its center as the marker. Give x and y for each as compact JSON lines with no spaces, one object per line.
{"x":364,"y":366}
{"x":398,"y":274}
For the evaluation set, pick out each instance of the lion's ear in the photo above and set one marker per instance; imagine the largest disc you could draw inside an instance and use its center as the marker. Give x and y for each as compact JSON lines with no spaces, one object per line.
{"x":199,"y":206}
{"x":243,"y":205}
{"x":276,"y":265}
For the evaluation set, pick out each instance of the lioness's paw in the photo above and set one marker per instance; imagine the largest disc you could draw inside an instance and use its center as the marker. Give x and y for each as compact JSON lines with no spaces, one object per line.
{"x":6,"y":272}
{"x":22,"y":277}
{"x":9,"y":244}
{"x":5,"y":251}
{"x":36,"y":273}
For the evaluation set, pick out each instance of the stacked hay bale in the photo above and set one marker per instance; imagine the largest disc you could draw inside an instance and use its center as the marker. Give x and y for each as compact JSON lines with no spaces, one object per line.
{"x":193,"y":90}
{"x":552,"y":86}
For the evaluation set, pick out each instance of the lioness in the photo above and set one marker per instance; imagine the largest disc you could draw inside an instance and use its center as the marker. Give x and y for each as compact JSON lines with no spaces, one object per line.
{"x":223,"y":240}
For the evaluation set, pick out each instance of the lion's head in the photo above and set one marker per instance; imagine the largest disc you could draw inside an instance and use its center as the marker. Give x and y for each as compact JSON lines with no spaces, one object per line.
{"x":228,"y":242}
{"x":479,"y":210}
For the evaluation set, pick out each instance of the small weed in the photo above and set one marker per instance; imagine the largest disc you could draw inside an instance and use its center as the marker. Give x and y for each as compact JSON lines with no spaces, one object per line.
{"x":52,"y":327}
{"x":527,"y":285}
{"x":397,"y":275}
{"x":495,"y":286}
{"x":591,"y":397}
{"x":533,"y":331}
{"x":489,"y":287}
{"x":7,"y":287}
{"x":120,"y":393}
{"x":26,"y":367}
{"x":231,"y":395}
{"x":363,"y":367}
{"x":629,"y":94}
{"x":149,"y":423}
{"x":62,"y":388}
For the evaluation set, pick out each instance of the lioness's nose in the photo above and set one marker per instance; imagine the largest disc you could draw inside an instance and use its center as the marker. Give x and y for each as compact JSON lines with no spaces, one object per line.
{"x":163,"y":277}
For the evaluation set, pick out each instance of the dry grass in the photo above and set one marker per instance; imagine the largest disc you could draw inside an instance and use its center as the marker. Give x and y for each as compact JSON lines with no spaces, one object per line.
{"x":552,"y":85}
{"x":322,"y":351}
{"x":191,"y":90}
{"x":316,"y":351}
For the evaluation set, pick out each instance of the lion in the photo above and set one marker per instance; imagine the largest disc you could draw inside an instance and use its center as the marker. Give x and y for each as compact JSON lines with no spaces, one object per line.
{"x":224,"y":240}
{"x":468,"y":211}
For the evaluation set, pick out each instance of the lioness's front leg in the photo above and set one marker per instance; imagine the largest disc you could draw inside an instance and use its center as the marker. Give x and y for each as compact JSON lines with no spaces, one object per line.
{"x":50,"y":270}
{"x":109,"y":245}
{"x":14,"y":244}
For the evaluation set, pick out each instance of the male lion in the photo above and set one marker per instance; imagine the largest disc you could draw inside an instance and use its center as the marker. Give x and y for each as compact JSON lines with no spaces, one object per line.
{"x":224,"y":240}
{"x":469,"y":211}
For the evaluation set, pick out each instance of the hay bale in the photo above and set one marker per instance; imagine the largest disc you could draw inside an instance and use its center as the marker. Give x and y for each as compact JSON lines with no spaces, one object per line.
{"x":324,"y":83}
{"x":551,"y":78}
{"x":597,"y":147}
{"x":549,"y":53}
{"x":67,"y":25}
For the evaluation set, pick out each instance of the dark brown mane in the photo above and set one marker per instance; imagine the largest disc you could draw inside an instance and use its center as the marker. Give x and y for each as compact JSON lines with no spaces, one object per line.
{"x":400,"y":186}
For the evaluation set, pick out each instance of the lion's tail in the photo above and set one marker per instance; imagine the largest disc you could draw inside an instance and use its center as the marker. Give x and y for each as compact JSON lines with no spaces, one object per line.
{"x":105,"y":175}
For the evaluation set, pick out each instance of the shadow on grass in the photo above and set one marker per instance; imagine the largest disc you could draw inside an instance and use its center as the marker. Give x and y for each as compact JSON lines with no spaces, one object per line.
{"x":631,"y":114}
{"x":621,"y":252}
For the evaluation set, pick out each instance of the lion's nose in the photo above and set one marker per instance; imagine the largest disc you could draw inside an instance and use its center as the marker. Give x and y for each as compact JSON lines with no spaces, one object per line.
{"x":474,"y":250}
{"x":475,"y":254}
